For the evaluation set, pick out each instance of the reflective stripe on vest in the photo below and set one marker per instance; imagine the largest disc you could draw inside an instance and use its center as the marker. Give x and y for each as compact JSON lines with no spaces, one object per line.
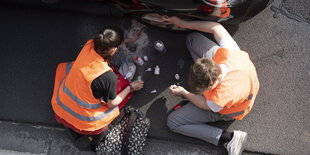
{"x":81,"y":103}
{"x":78,"y":101}
{"x":73,"y":97}
{"x":68,"y":67}
{"x":241,"y":112}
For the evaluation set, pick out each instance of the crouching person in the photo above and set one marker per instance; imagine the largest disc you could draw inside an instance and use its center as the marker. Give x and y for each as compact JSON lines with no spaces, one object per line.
{"x":223,"y":84}
{"x":85,"y":98}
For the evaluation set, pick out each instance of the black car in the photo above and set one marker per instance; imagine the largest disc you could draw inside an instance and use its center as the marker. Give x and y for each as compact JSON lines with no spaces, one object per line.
{"x":151,"y":11}
{"x":223,"y":11}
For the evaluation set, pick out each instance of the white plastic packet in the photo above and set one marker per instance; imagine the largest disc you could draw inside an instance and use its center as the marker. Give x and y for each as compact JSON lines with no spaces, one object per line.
{"x":127,"y":69}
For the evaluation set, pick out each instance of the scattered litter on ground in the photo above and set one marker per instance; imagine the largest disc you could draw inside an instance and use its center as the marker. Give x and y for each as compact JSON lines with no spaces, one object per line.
{"x":143,"y":41}
{"x":153,"y":91}
{"x":177,"y":76}
{"x":139,"y":78}
{"x":139,"y":61}
{"x":127,"y":69}
{"x":160,"y":46}
{"x":131,"y":50}
{"x":148,"y":70}
{"x":145,"y":58}
{"x":156,"y":70}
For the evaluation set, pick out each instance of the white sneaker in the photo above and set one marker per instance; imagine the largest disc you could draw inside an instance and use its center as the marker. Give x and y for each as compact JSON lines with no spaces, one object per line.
{"x":235,"y":146}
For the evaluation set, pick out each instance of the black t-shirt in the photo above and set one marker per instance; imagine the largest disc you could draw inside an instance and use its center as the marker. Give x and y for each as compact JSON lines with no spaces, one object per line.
{"x":104,"y":86}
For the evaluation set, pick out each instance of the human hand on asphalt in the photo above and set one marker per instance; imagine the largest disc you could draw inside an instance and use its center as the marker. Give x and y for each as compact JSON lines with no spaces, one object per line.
{"x":176,"y":90}
{"x":137,"y":85}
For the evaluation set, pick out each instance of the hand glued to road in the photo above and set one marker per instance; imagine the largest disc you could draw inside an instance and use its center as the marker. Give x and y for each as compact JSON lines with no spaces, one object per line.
{"x":176,"y":90}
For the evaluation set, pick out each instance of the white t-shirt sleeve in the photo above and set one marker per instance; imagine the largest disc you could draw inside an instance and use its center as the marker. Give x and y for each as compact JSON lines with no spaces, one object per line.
{"x":229,"y":43}
{"x":213,"y":106}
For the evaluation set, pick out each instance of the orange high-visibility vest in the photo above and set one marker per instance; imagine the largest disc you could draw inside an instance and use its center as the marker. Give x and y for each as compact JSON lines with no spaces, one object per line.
{"x":73,"y":100}
{"x":237,"y":92}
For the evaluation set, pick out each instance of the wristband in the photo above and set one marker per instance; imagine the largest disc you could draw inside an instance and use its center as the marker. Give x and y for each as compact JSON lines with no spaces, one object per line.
{"x":181,"y":94}
{"x":131,"y":87}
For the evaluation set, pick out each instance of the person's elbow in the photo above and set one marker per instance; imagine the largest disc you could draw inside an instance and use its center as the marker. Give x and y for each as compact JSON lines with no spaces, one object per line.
{"x":217,"y":28}
{"x":220,"y":33}
{"x":112,"y":103}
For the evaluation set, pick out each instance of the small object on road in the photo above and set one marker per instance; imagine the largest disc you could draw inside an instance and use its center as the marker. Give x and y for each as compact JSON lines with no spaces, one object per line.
{"x":176,"y":107}
{"x":156,"y":70}
{"x":148,"y":70}
{"x":159,"y":46}
{"x":145,"y":58}
{"x":127,"y":69}
{"x":139,"y":78}
{"x":177,"y":76}
{"x":129,"y":76}
{"x":153,"y":91}
{"x":139,"y":61}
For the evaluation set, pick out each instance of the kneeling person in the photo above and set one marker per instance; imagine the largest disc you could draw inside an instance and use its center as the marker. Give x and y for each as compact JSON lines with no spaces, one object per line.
{"x":84,"y":98}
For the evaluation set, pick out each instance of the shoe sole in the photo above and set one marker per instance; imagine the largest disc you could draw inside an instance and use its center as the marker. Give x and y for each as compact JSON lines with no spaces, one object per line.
{"x":245,"y":137}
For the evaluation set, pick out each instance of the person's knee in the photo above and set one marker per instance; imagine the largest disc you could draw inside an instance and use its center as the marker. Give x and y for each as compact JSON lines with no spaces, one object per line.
{"x":171,"y":122}
{"x":193,"y":36}
{"x":190,"y":39}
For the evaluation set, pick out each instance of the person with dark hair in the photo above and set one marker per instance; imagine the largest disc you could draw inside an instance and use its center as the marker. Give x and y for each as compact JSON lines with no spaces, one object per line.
{"x":223,"y":83}
{"x":87,"y":96}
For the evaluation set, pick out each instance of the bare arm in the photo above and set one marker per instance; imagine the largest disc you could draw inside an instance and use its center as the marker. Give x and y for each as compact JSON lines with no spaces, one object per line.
{"x":137,"y":85}
{"x":119,"y":97}
{"x":214,"y":28}
{"x":197,"y":100}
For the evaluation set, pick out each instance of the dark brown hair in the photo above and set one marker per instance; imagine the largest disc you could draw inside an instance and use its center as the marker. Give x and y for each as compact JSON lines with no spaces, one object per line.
{"x":108,"y":38}
{"x":203,"y":74}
